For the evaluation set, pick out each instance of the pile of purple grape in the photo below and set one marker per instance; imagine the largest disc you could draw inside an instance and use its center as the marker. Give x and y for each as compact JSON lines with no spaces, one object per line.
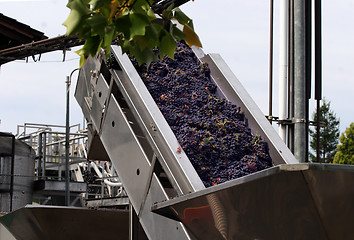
{"x":212,"y":131}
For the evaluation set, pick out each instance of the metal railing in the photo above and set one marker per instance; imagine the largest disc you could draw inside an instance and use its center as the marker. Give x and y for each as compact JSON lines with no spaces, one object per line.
{"x":49,"y":142}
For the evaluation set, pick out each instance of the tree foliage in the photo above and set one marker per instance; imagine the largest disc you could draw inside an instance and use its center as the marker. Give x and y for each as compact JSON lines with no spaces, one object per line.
{"x":345,"y":150}
{"x":135,"y":25}
{"x":328,"y":132}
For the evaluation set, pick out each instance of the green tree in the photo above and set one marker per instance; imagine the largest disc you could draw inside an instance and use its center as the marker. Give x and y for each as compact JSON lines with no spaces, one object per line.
{"x":328,"y":132}
{"x":345,"y":150}
{"x":139,"y":26}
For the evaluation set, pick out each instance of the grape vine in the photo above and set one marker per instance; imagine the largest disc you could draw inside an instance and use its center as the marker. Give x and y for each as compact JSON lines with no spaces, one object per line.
{"x":138,"y":27}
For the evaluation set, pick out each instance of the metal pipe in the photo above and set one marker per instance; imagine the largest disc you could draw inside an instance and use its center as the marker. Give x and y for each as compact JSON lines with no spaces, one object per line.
{"x":44,"y":155}
{"x":12,"y":171}
{"x":318,"y":50}
{"x":318,"y":131}
{"x":318,"y":69}
{"x":291,"y":76}
{"x":67,"y":128}
{"x":67,"y":143}
{"x":106,"y":181}
{"x":60,"y":162}
{"x":283,"y":67}
{"x":300,"y":81}
{"x":271,"y":11}
{"x":40,"y":154}
{"x":308,"y":56}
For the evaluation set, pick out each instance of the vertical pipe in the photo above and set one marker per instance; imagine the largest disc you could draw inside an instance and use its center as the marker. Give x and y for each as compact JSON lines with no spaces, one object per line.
{"x":133,"y":224}
{"x":271,"y":11}
{"x":291,"y":76}
{"x":67,"y":143}
{"x":12,"y":171}
{"x":308,"y":55}
{"x":60,"y":161}
{"x":67,"y":131}
{"x":283,"y":66}
{"x":318,"y":131}
{"x":300,"y":81}
{"x":40,"y":154}
{"x":308,"y":22}
{"x":44,"y":155}
{"x":318,"y":50}
{"x":318,"y":69}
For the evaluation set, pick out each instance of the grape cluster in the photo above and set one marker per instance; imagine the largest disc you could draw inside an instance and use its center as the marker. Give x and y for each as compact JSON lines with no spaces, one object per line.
{"x":212,"y":131}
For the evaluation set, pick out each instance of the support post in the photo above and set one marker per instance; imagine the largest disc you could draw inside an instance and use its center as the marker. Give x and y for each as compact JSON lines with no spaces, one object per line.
{"x":318,"y":69}
{"x":300,"y":99}
{"x":67,"y":145}
{"x":44,"y":152}
{"x":40,"y":155}
{"x":271,"y":23}
{"x":283,"y":67}
{"x":12,"y":172}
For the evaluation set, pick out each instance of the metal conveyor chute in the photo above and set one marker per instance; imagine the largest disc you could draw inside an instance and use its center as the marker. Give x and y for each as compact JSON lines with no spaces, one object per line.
{"x":124,"y":120}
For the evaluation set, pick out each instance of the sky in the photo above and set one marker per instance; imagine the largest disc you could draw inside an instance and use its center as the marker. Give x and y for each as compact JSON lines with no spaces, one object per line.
{"x":34,"y":92}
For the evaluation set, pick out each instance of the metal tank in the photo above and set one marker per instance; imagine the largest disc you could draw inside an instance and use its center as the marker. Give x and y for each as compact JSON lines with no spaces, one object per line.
{"x":16,"y":173}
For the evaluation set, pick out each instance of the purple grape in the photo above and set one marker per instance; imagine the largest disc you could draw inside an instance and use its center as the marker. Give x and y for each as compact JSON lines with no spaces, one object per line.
{"x":212,"y":131}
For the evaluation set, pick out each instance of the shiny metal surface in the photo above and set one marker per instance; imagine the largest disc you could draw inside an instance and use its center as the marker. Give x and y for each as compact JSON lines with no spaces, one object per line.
{"x":159,"y":226}
{"x":99,"y":97}
{"x":176,"y":165}
{"x":295,"y":201}
{"x":85,"y":83}
{"x":139,"y":142}
{"x":125,"y":153}
{"x":21,"y":191}
{"x":115,"y":130}
{"x":135,"y":172}
{"x":58,"y":223}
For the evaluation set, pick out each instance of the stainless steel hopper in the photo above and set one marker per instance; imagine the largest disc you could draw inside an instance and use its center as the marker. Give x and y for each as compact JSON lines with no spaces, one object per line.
{"x":126,"y":124}
{"x":293,"y":201}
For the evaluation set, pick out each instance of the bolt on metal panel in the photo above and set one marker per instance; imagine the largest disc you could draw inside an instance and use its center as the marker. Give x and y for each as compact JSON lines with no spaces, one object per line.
{"x":125,"y":152}
{"x":99,"y":98}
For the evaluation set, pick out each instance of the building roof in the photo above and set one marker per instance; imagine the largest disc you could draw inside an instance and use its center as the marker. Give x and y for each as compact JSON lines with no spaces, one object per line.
{"x":18,"y":41}
{"x":14,"y":33}
{"x":42,"y":46}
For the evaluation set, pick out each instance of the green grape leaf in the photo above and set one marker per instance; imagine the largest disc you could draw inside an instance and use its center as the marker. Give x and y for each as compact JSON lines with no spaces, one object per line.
{"x":79,"y":11}
{"x":91,"y":47}
{"x":167,"y":44}
{"x":150,"y":14}
{"x":110,"y":34}
{"x":141,"y":42}
{"x":152,"y":34}
{"x":138,"y":24}
{"x":123,"y":25}
{"x":139,"y":31}
{"x":126,"y":46}
{"x":181,"y":17}
{"x":145,"y":56}
{"x":97,"y":23}
{"x":177,"y":33}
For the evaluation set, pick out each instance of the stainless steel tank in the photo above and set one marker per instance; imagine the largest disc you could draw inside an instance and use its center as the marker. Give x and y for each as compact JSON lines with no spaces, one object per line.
{"x":16,"y":173}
